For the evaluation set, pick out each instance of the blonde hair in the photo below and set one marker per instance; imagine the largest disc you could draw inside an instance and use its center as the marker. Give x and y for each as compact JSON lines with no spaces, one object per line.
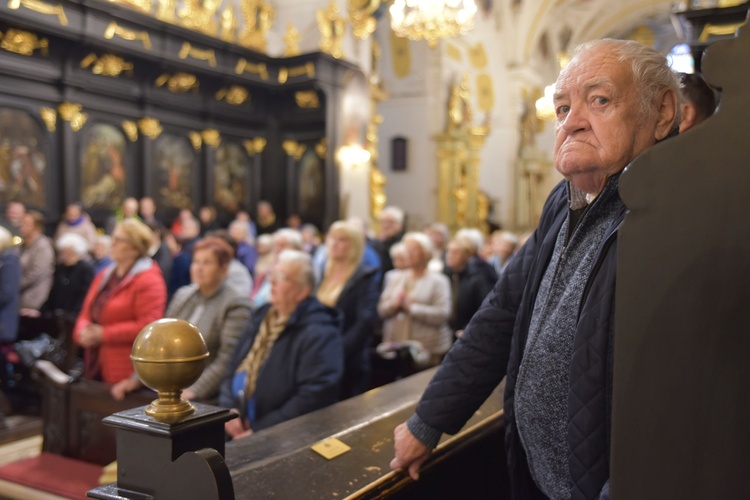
{"x":353,"y":235}
{"x":6,"y":239}
{"x":423,"y":241}
{"x":138,"y":233}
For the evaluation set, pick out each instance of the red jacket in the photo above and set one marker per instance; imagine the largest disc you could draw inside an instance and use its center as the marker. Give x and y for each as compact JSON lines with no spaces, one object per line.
{"x":138,"y":300}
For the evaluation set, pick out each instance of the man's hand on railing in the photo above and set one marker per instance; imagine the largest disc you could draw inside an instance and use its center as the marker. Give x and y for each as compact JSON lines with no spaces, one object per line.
{"x":410,"y":452}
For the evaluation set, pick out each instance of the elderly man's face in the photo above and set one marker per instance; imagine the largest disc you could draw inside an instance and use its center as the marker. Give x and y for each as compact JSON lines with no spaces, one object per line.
{"x":599,"y":127}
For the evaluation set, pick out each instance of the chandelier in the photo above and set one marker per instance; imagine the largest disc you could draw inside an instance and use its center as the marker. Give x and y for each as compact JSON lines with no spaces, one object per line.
{"x":432,"y":19}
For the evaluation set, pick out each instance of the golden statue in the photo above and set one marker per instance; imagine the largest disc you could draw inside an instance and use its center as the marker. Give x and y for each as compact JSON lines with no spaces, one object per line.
{"x":228,"y":25}
{"x":200,"y":16}
{"x":258,"y":17}
{"x":291,"y":41}
{"x":331,"y":26}
{"x":165,"y":10}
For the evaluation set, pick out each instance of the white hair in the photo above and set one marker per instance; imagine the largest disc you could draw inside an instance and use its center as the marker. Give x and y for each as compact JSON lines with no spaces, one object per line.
{"x":104,"y":239}
{"x":73,"y":241}
{"x":290,"y":236}
{"x":6,"y":239}
{"x":303,"y":262}
{"x":472,"y":235}
{"x":394,"y":213}
{"x":422,"y":240}
{"x":397,"y":249}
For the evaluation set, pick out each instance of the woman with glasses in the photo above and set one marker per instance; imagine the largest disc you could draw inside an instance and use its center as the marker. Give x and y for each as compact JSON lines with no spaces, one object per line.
{"x":123,"y":298}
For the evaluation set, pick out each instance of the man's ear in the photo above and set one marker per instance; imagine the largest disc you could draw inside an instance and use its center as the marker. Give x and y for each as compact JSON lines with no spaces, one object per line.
{"x":667,"y":114}
{"x":687,"y":119}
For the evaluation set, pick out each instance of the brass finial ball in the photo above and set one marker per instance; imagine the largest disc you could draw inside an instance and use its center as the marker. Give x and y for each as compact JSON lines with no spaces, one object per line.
{"x":169,"y":355}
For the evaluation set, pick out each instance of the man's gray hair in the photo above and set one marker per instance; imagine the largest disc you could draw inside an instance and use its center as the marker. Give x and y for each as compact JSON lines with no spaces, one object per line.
{"x":290,"y":236}
{"x":303,"y":262}
{"x":74,"y":241}
{"x":651,"y":72}
{"x":394,"y":213}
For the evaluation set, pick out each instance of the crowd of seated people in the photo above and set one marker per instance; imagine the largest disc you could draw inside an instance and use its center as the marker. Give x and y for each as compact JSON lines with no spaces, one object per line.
{"x":292,"y":317}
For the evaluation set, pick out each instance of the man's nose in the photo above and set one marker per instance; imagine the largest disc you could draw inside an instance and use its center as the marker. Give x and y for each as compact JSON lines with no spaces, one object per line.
{"x":575,"y":120}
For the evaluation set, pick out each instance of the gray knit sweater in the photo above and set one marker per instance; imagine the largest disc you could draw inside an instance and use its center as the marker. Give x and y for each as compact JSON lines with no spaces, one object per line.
{"x":541,"y":401}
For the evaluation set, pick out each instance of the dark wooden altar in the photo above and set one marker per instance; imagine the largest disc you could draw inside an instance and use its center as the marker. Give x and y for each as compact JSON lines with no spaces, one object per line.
{"x":99,"y":101}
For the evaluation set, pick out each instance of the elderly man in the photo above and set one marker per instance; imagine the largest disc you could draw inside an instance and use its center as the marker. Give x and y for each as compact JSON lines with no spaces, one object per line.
{"x":549,"y":321}
{"x":289,"y":360}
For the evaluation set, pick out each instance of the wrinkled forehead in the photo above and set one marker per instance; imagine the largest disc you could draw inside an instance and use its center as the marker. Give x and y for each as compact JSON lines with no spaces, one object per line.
{"x":595,"y":67}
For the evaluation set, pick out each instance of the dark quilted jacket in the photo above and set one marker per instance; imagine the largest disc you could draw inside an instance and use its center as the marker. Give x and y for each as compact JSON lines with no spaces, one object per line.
{"x":493,"y":343}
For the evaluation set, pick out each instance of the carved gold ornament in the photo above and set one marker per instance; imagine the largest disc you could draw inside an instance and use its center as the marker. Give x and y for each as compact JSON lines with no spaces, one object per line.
{"x":718,"y":30}
{"x":254,"y":69}
{"x":258,"y":17}
{"x":360,"y":16}
{"x":207,"y":55}
{"x":106,"y":65}
{"x":307,"y":99}
{"x":199,"y":16}
{"x":179,"y":82}
{"x":307,"y":69}
{"x":291,"y":41}
{"x":113,"y":29}
{"x":432,"y":20}
{"x":331,"y":25}
{"x":228,"y":25}
{"x":294,"y":149}
{"x":41,"y":8}
{"x":211,"y":137}
{"x":49,"y":116}
{"x":321,"y":147}
{"x":131,"y":130}
{"x":485,"y":94}
{"x":166,"y":10}
{"x":23,"y":42}
{"x":140,"y":5}
{"x":73,"y":114}
{"x":254,"y":146}
{"x":478,"y":56}
{"x":234,"y":95}
{"x":196,"y":140}
{"x":150,"y":127}
{"x":400,"y":55}
{"x":453,"y":52}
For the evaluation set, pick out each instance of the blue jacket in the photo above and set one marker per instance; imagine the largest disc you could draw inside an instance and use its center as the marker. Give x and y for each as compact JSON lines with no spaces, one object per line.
{"x":10,"y":295}
{"x":493,"y":345}
{"x":303,"y":371}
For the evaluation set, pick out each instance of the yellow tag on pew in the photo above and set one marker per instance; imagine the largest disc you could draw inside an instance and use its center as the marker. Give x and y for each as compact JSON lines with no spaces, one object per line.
{"x":330,"y":448}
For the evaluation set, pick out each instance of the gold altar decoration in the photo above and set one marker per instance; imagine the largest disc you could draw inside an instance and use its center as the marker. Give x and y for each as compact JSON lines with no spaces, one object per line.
{"x":291,"y":41}
{"x":400,"y":55}
{"x":140,"y":5}
{"x":378,"y":197}
{"x":150,"y":127}
{"x":307,"y":69}
{"x":293,"y":148}
{"x":254,"y":69}
{"x":331,"y":25}
{"x":477,"y":56}
{"x":453,"y":52}
{"x":485,"y":93}
{"x":49,"y":117}
{"x":718,"y":30}
{"x":196,"y":140}
{"x":42,"y":8}
{"x":23,"y":42}
{"x":255,"y":145}
{"x":307,"y":99}
{"x":236,"y":95}
{"x":169,"y":355}
{"x":321,"y":148}
{"x":113,"y":29}
{"x":208,"y":55}
{"x":228,"y":25}
{"x":361,"y":17}
{"x":131,"y":130}
{"x":458,"y":154}
{"x":106,"y":65}
{"x":179,"y":82}
{"x":432,"y":20}
{"x":166,"y":10}
{"x":212,"y":137}
{"x":73,"y":113}
{"x":532,"y":165}
{"x":258,"y":17}
{"x":199,"y":16}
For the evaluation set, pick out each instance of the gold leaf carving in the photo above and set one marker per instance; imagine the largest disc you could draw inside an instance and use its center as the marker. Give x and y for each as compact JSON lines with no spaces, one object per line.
{"x":234,"y":95}
{"x":321,"y":148}
{"x":307,"y":99}
{"x":211,"y":137}
{"x":131,"y":130}
{"x":150,"y":127}
{"x":73,"y":114}
{"x":106,"y":65}
{"x":258,"y":17}
{"x":41,"y":8}
{"x":49,"y":116}
{"x":207,"y":55}
{"x":113,"y":29}
{"x":255,"y":145}
{"x":307,"y":69}
{"x":179,"y":82}
{"x":331,"y":25}
{"x":254,"y":69}
{"x":23,"y":42}
{"x":291,"y":41}
{"x":293,"y":148}
{"x":196,"y":140}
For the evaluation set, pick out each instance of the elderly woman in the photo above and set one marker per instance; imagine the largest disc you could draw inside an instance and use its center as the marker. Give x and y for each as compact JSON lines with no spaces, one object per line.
{"x":217,"y":309}
{"x":469,"y":284}
{"x":416,"y":304}
{"x":289,"y":360}
{"x":283,"y":239}
{"x":73,"y":276}
{"x":122,"y":299}
{"x":10,"y":287}
{"x":351,"y":287}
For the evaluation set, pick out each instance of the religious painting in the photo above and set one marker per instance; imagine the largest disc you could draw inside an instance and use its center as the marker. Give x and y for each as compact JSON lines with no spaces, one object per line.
{"x":310,"y":185}
{"x":22,"y":162}
{"x":173,"y":168}
{"x":231,"y":172}
{"x":103,"y":173}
